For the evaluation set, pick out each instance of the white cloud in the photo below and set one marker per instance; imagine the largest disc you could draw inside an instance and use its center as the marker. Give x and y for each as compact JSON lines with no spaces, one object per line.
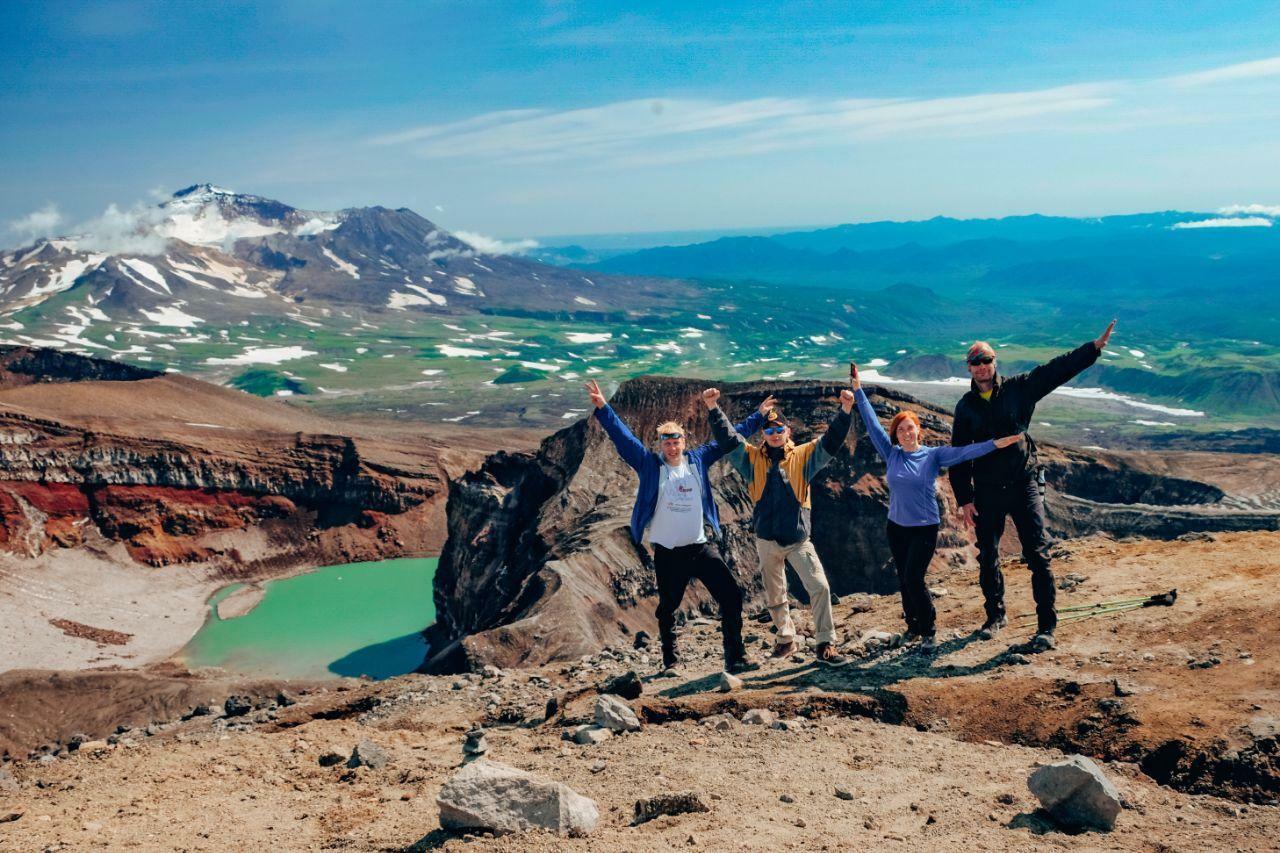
{"x":664,"y":130}
{"x":492,"y":246}
{"x":134,"y":231}
{"x":1240,"y":71}
{"x":1272,"y":210}
{"x":37,"y":223}
{"x":1230,"y":222}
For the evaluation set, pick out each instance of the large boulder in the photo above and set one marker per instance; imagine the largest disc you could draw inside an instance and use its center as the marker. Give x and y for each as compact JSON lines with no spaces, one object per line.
{"x":1076,"y":794}
{"x":486,"y":795}
{"x":614,"y":714}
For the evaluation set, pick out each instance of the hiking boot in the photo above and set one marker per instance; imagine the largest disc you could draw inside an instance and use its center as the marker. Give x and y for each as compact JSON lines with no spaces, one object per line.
{"x":991,"y":628}
{"x":827,"y":654}
{"x":910,"y":636}
{"x":669,"y":672}
{"x":741,"y":665}
{"x":928,"y":644}
{"x":1042,"y":642}
{"x":781,"y":650}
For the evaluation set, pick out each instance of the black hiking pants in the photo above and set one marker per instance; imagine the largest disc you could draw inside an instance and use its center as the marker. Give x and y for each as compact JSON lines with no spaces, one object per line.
{"x":675,"y":567}
{"x":912,"y":549}
{"x":1020,"y":501}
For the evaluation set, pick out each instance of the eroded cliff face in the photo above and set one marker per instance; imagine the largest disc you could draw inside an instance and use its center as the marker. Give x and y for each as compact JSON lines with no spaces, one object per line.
{"x":539,"y":564}
{"x":161,"y":497}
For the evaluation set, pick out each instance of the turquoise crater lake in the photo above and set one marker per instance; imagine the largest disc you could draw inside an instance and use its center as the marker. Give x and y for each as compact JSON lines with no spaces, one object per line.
{"x":350,"y":620}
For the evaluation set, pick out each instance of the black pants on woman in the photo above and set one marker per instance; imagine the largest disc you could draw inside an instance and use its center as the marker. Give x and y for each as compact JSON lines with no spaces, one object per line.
{"x":912,"y":549}
{"x":675,"y":567}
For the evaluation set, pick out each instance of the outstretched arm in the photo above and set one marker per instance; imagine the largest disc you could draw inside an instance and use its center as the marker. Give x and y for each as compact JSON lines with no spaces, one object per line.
{"x":1048,"y":376}
{"x":628,"y":446}
{"x":879,"y":438}
{"x":829,"y":445}
{"x":961,"y":473}
{"x":948,"y":456}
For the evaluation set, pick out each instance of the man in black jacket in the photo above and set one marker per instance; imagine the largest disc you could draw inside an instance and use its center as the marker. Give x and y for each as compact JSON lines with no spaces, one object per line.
{"x":1005,"y":483}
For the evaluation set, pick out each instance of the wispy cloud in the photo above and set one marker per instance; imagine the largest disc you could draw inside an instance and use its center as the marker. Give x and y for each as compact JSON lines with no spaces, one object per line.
{"x":1271,"y":210}
{"x":1240,"y":71}
{"x":492,"y":246}
{"x":38,"y":223}
{"x":666,"y":130}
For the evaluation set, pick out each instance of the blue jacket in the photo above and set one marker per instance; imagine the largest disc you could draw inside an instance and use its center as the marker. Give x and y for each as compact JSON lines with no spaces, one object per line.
{"x":648,"y":465}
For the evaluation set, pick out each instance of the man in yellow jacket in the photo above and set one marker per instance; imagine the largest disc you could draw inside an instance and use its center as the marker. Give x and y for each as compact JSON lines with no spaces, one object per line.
{"x":778,"y":473}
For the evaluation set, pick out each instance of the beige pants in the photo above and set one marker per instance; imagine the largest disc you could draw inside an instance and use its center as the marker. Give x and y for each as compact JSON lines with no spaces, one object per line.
{"x":773,"y":569}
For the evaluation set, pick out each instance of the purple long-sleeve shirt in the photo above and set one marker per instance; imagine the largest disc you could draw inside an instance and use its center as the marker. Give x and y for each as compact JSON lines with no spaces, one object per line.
{"x":912,"y":477}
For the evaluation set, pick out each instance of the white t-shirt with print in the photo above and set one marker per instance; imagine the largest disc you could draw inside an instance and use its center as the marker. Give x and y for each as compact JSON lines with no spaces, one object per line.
{"x":677,"y":519}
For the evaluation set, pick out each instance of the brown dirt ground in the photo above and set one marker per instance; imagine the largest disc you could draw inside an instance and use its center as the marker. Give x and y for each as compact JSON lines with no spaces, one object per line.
{"x":264,"y":786}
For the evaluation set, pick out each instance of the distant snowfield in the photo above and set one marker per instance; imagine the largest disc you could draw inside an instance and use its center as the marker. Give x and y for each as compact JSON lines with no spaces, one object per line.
{"x":588,"y":337}
{"x":171,"y":315}
{"x":338,"y":262}
{"x":461,"y":352}
{"x":263,"y":355}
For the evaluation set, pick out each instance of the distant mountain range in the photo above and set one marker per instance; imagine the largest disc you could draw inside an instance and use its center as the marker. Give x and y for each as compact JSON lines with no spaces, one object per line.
{"x":210,"y":255}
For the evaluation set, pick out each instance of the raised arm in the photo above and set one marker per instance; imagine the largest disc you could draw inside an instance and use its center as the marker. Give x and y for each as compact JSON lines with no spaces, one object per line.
{"x":713,"y":451}
{"x":1048,"y":376}
{"x":828,"y":445}
{"x":879,"y":438}
{"x":948,"y":456}
{"x":628,"y":446}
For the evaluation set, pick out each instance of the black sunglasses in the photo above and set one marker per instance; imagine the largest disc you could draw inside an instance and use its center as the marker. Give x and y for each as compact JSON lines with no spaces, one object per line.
{"x":779,"y":430}
{"x":668,"y":436}
{"x":982,"y":359}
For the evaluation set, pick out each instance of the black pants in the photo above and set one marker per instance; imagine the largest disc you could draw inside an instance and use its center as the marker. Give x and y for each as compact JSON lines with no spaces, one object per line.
{"x":675,"y":567}
{"x":912,"y":549}
{"x":1020,"y":501}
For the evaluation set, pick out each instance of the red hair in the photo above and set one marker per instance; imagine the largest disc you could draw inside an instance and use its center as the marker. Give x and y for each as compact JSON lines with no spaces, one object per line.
{"x":897,"y":422}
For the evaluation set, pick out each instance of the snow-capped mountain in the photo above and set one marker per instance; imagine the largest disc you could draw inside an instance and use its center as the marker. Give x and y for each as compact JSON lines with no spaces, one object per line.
{"x":210,"y":257}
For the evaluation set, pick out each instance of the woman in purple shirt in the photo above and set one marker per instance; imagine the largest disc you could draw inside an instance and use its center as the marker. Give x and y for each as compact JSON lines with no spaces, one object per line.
{"x":911,"y":472}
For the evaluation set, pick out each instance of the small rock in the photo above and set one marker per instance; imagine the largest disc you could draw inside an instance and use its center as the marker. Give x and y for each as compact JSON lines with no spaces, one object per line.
{"x":331,"y":758}
{"x":284,"y":699}
{"x":1148,"y":656}
{"x":842,"y":794}
{"x":643,"y":640}
{"x":614,"y":714}
{"x":938,"y":592}
{"x":1121,"y":688}
{"x":800,"y":822}
{"x":1111,"y":706}
{"x":786,"y":798}
{"x":237,"y":706}
{"x":8,"y":784}
{"x":628,"y":685}
{"x":475,"y":743}
{"x":729,"y":682}
{"x":368,"y":754}
{"x":598,"y":766}
{"x":725,"y":725}
{"x":1006,"y":799}
{"x":1076,"y":793}
{"x":669,"y":672}
{"x":589,"y":735}
{"x":870,"y":822}
{"x":759,"y":717}
{"x":683,"y":802}
{"x":486,"y":795}
{"x":10,"y":815}
{"x":1017,"y":658}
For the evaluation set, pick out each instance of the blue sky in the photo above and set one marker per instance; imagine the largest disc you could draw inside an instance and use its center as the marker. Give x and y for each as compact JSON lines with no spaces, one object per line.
{"x":533,"y":119}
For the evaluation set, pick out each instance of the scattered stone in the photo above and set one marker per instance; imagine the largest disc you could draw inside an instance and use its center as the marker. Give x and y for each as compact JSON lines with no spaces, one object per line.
{"x":800,"y":822}
{"x":842,"y":794}
{"x":1076,"y":793}
{"x":10,"y":815}
{"x":8,"y":784}
{"x":331,"y":758}
{"x":759,"y":717}
{"x":684,"y":802}
{"x":201,"y":710}
{"x":475,"y":743}
{"x":643,"y":640}
{"x":1017,"y":658}
{"x":237,"y":706}
{"x":1006,"y":799}
{"x":669,"y":672}
{"x":938,"y":592}
{"x":553,"y":707}
{"x":284,"y":699}
{"x":729,"y":682}
{"x":490,"y":671}
{"x":1070,"y":581}
{"x":1204,"y":663}
{"x":1111,"y":706}
{"x":590,"y":735}
{"x":598,"y":766}
{"x":486,"y":795}
{"x":628,"y":685}
{"x":870,"y":822}
{"x":1121,"y":688}
{"x":1148,"y":656}
{"x":614,"y":714}
{"x":368,"y":754}
{"x":1197,"y":536}
{"x":92,"y":746}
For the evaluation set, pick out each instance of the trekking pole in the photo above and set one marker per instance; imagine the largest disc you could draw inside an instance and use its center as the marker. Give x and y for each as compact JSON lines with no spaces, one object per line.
{"x":1076,"y":617}
{"x":1164,"y":599}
